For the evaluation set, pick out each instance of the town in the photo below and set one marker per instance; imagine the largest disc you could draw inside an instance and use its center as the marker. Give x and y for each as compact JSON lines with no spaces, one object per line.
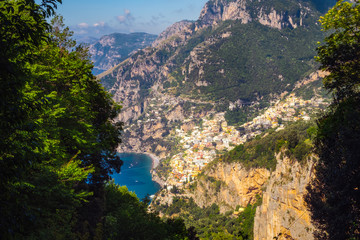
{"x":202,"y":144}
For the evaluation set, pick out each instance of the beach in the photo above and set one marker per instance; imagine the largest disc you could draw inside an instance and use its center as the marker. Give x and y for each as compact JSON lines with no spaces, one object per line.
{"x":155,"y":159}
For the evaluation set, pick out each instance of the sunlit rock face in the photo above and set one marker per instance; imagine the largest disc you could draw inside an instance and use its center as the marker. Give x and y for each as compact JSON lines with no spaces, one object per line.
{"x":283,"y":212}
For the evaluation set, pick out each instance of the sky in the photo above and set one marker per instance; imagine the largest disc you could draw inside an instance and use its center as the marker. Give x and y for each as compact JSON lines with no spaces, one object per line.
{"x":94,"y":18}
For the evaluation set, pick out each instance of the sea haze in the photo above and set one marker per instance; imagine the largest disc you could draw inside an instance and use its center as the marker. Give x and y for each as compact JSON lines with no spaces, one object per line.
{"x":135,"y":174}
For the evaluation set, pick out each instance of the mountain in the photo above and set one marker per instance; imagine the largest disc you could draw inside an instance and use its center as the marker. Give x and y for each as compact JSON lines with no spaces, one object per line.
{"x":238,"y":58}
{"x":172,"y":30}
{"x":238,"y":52}
{"x":86,"y":39}
{"x":206,"y":89}
{"x":112,"y":49}
{"x":253,"y":202}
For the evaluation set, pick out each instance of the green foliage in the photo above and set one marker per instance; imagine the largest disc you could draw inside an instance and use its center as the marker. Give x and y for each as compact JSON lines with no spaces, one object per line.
{"x":58,"y":138}
{"x":340,"y":53}
{"x":128,"y":218}
{"x":335,"y":189}
{"x":308,"y":91}
{"x":209,"y":223}
{"x":251,"y":60}
{"x":260,"y":152}
{"x":237,"y":116}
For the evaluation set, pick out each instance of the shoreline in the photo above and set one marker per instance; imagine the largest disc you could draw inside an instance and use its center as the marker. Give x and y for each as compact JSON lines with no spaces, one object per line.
{"x":155,"y":160}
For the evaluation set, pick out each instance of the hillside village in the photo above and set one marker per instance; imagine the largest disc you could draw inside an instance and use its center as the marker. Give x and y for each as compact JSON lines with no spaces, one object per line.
{"x":203,"y":143}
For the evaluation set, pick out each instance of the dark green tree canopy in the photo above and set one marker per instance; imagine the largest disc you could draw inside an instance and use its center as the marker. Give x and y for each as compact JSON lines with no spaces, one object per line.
{"x":340,"y":55}
{"x":58,"y":138}
{"x":333,"y":195}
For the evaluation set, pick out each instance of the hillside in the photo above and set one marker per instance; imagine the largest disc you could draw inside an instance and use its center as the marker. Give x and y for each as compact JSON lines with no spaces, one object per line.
{"x":238,"y":51}
{"x":254,"y":191}
{"x":239,"y":57}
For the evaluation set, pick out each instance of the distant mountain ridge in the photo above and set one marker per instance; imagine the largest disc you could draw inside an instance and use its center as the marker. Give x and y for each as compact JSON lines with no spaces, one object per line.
{"x":112,"y":49}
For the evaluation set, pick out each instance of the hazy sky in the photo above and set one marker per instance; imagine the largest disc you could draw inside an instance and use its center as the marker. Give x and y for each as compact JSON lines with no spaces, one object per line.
{"x":96,"y":18}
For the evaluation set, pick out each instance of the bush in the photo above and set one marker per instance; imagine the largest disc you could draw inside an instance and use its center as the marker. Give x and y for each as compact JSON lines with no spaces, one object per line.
{"x":260,"y":152}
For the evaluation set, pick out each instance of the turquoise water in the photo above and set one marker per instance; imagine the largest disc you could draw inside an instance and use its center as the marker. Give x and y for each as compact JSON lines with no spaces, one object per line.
{"x":135,"y":174}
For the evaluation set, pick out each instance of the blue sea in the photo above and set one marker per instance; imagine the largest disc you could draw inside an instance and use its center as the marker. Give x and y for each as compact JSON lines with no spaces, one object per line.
{"x":135,"y":174}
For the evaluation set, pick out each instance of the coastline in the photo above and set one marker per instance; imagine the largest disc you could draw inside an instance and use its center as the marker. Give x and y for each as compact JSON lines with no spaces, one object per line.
{"x":155,"y":160}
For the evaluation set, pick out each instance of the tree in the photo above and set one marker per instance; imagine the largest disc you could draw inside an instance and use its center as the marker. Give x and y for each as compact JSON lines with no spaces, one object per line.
{"x":128,"y":218}
{"x":58,"y":139}
{"x":340,"y":55}
{"x":333,"y":195}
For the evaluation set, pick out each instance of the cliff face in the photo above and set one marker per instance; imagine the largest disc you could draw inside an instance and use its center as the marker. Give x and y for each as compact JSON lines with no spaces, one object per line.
{"x":219,"y":10}
{"x":230,"y":185}
{"x":283,"y":212}
{"x":287,"y":14}
{"x":178,"y":28}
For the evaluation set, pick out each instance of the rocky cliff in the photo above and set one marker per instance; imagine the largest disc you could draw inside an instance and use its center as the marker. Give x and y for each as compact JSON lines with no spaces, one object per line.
{"x":283,"y":212}
{"x":178,"y":28}
{"x":229,"y":186}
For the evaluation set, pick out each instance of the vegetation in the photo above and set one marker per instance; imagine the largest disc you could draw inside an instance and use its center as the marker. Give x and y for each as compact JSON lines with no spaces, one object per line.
{"x":247,"y":65}
{"x":128,"y":218}
{"x":58,"y":138}
{"x":243,"y":114}
{"x":333,"y":195}
{"x":209,"y":223}
{"x":251,"y":60}
{"x":310,"y":90}
{"x":294,"y":141}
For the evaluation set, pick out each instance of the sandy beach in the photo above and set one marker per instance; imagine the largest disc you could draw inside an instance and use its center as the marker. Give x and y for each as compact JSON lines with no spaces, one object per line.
{"x":155,"y":159}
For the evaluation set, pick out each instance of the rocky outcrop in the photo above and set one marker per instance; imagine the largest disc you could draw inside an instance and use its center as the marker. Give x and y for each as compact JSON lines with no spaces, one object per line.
{"x":273,"y":19}
{"x":230,"y":185}
{"x":283,"y":212}
{"x":177,"y":28}
{"x":245,"y":11}
{"x":220,"y":10}
{"x":315,"y":76}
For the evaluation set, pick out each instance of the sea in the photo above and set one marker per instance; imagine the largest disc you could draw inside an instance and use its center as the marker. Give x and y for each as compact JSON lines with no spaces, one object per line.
{"x":135,"y":174}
